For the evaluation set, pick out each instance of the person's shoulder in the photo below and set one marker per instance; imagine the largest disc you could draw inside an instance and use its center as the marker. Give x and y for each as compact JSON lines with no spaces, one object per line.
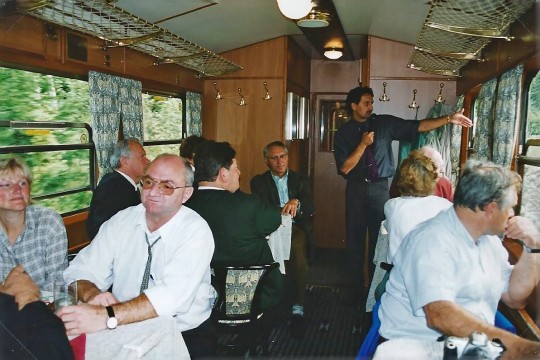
{"x":40,"y":211}
{"x":260,"y":177}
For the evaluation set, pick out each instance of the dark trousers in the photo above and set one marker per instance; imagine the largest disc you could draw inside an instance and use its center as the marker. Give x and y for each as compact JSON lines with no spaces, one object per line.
{"x":297,"y":267}
{"x":364,"y":207}
{"x":201,"y":341}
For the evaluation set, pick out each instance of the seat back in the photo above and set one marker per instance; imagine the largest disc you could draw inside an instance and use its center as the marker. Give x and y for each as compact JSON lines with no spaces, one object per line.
{"x":238,"y":289}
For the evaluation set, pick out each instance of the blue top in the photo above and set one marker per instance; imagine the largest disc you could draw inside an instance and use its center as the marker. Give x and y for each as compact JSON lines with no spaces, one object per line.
{"x":387,"y":128}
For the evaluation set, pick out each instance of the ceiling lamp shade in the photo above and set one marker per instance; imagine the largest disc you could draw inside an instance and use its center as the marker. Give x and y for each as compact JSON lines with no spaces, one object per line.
{"x":314,"y":19}
{"x":294,"y":9}
{"x":333,"y":53}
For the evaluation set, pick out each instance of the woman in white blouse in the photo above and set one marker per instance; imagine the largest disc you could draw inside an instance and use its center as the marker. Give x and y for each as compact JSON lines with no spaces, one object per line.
{"x":417,"y":178}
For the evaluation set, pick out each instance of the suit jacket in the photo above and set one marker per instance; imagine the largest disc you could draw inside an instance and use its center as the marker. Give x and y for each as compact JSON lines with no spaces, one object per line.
{"x":35,"y":329}
{"x":298,"y":187}
{"x":240,"y":223}
{"x":114,"y":193}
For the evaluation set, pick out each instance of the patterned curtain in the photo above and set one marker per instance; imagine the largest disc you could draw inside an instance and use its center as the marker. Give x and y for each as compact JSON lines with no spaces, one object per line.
{"x":506,"y":108}
{"x":193,"y":114}
{"x":455,"y":146}
{"x":113,"y":99}
{"x":130,"y":98}
{"x":484,"y":106}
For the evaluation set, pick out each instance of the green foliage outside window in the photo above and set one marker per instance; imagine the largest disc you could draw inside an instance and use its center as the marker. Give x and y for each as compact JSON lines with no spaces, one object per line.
{"x":27,"y":96}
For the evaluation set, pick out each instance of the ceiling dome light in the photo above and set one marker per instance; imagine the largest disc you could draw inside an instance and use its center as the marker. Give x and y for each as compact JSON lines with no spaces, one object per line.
{"x":314,"y":19}
{"x":294,"y":9}
{"x":333,"y":53}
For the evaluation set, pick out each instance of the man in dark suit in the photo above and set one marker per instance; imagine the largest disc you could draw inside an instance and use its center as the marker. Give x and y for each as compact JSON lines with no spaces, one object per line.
{"x":28,"y":328}
{"x":239,"y":222}
{"x":118,"y":189}
{"x":290,"y":192}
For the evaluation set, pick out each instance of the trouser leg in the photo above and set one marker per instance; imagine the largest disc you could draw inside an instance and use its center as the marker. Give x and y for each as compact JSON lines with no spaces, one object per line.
{"x":201,"y":341}
{"x":297,"y":266}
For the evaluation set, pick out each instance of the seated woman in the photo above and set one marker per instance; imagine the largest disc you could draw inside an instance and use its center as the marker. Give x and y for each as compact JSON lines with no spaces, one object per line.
{"x":30,"y":235}
{"x":443,"y":186}
{"x":418,"y":175}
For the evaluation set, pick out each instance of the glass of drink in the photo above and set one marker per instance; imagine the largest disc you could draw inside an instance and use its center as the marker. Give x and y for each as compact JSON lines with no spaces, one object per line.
{"x":64,"y":294}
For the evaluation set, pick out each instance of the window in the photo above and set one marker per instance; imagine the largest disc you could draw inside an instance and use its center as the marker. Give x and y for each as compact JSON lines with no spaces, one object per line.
{"x":530,"y":201}
{"x":163,"y":124}
{"x":45,"y":121}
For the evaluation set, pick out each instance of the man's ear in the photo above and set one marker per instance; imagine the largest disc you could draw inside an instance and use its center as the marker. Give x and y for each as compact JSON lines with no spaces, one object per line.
{"x":490,"y":208}
{"x":223,"y":175}
{"x":123,"y":161}
{"x":187,"y":194}
{"x":266,"y":162}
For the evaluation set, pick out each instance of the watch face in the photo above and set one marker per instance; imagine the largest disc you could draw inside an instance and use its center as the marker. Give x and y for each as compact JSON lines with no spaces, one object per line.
{"x":112,"y":323}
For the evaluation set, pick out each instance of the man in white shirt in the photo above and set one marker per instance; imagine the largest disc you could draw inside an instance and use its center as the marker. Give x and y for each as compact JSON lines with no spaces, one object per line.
{"x":156,"y":256}
{"x":451,"y":271}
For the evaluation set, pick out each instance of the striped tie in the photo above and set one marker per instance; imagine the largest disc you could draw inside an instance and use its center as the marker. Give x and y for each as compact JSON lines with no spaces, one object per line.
{"x":146,"y":276}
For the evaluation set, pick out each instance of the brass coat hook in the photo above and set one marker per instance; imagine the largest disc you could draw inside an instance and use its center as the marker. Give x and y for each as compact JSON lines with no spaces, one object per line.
{"x":439,"y":98}
{"x":218,"y":95}
{"x":242,"y":100}
{"x":384,"y":97}
{"x":414,"y":105}
{"x":267,"y":95}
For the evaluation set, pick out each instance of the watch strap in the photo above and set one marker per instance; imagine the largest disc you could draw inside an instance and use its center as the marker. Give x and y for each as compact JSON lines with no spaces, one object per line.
{"x":110,"y":311}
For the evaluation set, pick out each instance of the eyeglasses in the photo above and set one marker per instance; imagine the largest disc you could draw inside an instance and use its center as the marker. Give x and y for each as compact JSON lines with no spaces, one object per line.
{"x":8,"y":185}
{"x":276,"y":157}
{"x":164,"y":186}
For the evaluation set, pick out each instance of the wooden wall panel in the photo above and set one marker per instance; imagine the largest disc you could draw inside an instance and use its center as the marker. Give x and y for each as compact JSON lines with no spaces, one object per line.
{"x":264,"y":59}
{"x":23,"y":41}
{"x":298,"y":69}
{"x":249,"y":128}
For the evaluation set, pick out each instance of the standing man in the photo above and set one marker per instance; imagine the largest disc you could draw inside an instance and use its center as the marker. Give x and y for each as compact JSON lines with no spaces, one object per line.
{"x":156,"y":256}
{"x":240,"y":222}
{"x":290,"y":192}
{"x":363,"y":152}
{"x":118,"y":189}
{"x":451,"y":271}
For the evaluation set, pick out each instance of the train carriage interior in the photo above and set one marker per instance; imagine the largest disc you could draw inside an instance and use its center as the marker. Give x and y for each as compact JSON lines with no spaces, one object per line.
{"x":252,"y":72}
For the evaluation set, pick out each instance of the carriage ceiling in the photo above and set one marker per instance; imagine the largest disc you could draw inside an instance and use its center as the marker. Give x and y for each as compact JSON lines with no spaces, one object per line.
{"x":446,"y":33}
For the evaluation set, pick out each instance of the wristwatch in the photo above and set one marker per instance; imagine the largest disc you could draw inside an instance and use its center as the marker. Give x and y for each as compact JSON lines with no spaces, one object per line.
{"x":112,"y":322}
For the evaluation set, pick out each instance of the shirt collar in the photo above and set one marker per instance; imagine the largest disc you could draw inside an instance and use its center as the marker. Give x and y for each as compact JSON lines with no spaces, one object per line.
{"x":128,"y":179}
{"x":277,"y":178}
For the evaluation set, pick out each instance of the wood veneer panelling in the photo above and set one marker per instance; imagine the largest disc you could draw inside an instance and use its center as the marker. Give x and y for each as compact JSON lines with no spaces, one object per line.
{"x":23,"y":44}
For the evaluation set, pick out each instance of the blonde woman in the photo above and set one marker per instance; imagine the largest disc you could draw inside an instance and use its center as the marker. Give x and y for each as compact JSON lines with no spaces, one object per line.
{"x":418,"y":175}
{"x":30,"y":235}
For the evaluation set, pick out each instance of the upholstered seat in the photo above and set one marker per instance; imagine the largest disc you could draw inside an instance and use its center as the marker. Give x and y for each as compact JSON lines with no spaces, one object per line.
{"x":235,"y":312}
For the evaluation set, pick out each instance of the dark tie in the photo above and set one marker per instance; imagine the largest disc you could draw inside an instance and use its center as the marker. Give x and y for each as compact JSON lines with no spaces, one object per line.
{"x":371,"y":165}
{"x":146,"y":276}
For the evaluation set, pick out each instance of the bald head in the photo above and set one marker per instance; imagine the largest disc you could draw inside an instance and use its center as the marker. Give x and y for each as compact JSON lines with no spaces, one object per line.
{"x":435,"y":156}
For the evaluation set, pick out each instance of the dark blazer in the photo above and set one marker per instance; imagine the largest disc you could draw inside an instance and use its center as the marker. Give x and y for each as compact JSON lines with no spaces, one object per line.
{"x":35,"y":329}
{"x":114,"y":193}
{"x":240,"y":223}
{"x":298,"y":186}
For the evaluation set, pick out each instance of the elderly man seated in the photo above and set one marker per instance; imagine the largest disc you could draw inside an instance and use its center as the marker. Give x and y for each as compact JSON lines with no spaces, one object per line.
{"x":156,"y":256}
{"x":451,"y":271}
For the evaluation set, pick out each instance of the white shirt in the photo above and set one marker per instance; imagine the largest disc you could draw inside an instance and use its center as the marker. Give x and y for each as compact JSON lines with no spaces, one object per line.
{"x":405,"y":212}
{"x":438,"y":260}
{"x":180,"y":271}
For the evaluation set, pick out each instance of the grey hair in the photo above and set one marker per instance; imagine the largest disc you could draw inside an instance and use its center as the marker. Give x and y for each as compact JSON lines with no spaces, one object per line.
{"x":484,"y":182}
{"x":121,"y":149}
{"x":266,"y":149}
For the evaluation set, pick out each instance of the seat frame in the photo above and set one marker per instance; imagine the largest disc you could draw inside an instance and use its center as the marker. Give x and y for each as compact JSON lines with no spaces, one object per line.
{"x":251,"y":328}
